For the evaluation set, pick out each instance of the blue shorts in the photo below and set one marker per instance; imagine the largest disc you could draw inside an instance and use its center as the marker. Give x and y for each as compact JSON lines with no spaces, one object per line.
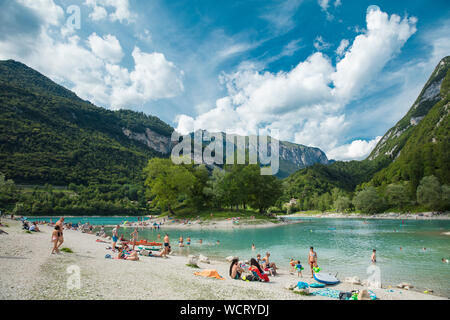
{"x":115,"y":239}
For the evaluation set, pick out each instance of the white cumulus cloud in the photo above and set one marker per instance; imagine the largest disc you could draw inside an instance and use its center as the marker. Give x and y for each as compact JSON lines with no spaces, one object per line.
{"x":356,"y":150}
{"x":116,"y":10}
{"x":306,"y":104}
{"x":90,"y":66}
{"x":107,"y":48}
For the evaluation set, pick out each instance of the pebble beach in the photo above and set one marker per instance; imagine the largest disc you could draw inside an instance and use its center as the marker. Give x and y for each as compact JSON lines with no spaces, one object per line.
{"x":29,"y":271}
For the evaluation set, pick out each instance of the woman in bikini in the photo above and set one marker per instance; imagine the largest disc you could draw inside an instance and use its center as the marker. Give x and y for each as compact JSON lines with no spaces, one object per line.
{"x":55,"y":238}
{"x":60,"y":223}
{"x":235,"y":270}
{"x":312,"y":260}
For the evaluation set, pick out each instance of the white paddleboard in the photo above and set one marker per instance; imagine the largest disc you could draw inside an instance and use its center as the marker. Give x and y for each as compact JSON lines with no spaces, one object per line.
{"x":326,"y":278}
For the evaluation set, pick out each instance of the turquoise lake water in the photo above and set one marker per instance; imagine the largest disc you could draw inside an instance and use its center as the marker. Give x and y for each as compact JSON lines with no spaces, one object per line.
{"x":342,"y":245}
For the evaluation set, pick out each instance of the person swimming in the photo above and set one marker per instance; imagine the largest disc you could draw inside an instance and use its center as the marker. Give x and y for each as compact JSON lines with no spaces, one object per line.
{"x":253,"y":246}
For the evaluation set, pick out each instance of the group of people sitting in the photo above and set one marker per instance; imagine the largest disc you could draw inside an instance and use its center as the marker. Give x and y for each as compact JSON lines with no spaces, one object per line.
{"x":26,"y":225}
{"x":258,"y":270}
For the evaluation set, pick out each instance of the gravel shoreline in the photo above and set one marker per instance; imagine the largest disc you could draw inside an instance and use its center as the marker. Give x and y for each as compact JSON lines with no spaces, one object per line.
{"x":29,"y":271}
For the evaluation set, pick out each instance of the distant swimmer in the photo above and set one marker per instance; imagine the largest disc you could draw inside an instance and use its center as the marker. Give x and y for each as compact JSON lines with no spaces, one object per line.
{"x":200,"y":241}
{"x":444,"y":260}
{"x":188,"y":241}
{"x":374,"y":256}
{"x":218,"y":242}
{"x":253,"y":246}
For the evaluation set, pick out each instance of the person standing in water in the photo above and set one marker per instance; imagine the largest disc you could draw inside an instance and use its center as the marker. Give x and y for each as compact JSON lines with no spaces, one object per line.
{"x":253,"y":246}
{"x":188,"y":241}
{"x":134,"y":235}
{"x":166,"y":245}
{"x":312,"y":260}
{"x":374,"y":256}
{"x":180,"y":241}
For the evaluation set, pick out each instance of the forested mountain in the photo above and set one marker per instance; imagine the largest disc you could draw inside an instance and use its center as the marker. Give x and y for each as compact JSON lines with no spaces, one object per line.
{"x":395,"y":139}
{"x":416,"y":147}
{"x":427,"y":150}
{"x":49,"y":135}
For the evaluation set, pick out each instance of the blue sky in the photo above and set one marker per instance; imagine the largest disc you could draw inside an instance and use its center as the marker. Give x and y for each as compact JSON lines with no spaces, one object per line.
{"x":333,"y":74}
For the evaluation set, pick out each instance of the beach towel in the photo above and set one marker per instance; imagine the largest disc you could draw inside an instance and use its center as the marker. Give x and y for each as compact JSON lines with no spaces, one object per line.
{"x":211,"y":273}
{"x":329,"y":293}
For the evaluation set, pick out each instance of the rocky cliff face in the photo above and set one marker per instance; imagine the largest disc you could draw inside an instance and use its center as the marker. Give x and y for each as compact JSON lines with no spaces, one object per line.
{"x":292,"y":156}
{"x":300,"y":155}
{"x":394,"y":140}
{"x":151,"y":139}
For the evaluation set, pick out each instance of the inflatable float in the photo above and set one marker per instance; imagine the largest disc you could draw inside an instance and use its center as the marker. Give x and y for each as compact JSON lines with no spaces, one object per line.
{"x":317,"y":285}
{"x":145,"y":243}
{"x":326,"y":278}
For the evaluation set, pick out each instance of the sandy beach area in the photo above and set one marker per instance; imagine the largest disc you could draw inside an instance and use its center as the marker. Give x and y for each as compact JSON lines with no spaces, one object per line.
{"x":29,"y":271}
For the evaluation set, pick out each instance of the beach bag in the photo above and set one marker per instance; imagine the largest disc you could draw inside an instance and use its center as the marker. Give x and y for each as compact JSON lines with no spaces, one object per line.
{"x":250,"y":277}
{"x":345,"y":295}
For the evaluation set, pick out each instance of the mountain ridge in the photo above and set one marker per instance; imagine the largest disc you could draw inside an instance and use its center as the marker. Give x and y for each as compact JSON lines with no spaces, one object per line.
{"x":49,"y":134}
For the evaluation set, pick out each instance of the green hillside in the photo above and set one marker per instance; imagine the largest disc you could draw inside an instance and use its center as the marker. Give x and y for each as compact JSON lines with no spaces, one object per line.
{"x":416,"y":147}
{"x":427,"y":150}
{"x":49,"y":135}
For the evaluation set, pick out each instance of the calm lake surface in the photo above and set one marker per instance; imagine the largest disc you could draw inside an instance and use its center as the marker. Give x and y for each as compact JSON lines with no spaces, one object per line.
{"x":342,"y":245}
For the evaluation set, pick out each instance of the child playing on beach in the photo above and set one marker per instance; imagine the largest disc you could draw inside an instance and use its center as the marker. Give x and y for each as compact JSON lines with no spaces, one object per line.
{"x":299,"y":268}
{"x":292,"y":266}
